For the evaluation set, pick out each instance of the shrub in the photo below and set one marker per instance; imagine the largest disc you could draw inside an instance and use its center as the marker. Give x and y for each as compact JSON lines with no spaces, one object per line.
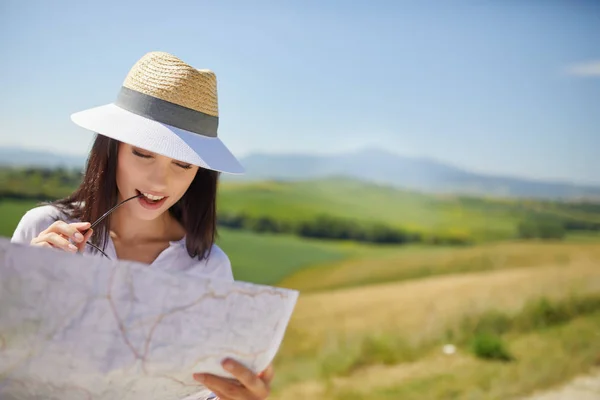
{"x":490,"y":347}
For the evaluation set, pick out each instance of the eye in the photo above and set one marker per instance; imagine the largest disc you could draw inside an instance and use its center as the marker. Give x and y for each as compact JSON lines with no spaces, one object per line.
{"x":139,"y":154}
{"x":184,"y":166}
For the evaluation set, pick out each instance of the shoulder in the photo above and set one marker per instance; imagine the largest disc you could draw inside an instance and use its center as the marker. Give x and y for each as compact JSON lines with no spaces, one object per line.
{"x":219,"y":262}
{"x":35,"y":221}
{"x":216,"y":265}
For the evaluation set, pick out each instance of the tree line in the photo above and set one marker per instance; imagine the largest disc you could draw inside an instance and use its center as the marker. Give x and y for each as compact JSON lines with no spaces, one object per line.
{"x":553,"y":227}
{"x":324,"y":226}
{"x":44,"y":184}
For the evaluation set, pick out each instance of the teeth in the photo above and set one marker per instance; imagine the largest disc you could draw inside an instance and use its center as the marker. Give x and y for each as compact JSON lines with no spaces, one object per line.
{"x":153,"y":197}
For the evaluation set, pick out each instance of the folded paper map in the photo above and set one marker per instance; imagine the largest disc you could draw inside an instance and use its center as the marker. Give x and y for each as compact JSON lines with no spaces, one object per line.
{"x":83,"y":327}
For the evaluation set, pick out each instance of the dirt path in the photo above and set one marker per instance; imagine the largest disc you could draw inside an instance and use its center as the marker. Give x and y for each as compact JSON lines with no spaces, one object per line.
{"x":582,"y":388}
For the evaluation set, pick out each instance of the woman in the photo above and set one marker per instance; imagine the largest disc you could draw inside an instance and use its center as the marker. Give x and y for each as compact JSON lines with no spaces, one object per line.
{"x":149,"y":189}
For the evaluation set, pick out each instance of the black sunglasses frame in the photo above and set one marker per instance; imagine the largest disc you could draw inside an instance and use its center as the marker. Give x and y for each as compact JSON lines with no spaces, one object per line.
{"x":106,"y":214}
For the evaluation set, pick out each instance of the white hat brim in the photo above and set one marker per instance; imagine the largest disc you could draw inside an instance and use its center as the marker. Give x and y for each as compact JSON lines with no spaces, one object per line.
{"x":125,"y":126}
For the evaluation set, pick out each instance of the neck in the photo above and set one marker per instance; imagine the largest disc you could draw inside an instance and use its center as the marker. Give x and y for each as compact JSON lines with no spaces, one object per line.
{"x":126,"y":228}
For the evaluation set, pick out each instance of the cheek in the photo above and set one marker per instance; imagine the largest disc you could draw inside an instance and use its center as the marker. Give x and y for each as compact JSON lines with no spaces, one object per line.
{"x":124,"y":181}
{"x":181,"y":184}
{"x":126,"y":171}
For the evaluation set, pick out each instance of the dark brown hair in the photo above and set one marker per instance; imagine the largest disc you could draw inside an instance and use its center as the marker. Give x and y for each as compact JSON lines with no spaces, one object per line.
{"x":97,"y":193}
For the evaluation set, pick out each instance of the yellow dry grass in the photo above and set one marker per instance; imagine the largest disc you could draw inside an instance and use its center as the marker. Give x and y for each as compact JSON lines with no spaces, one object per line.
{"x":420,"y":309}
{"x":376,"y":376}
{"x":545,"y":359}
{"x":326,"y":325}
{"x":408,"y":263}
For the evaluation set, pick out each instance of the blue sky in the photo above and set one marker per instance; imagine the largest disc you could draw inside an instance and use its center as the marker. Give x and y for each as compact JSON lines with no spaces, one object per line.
{"x":505,"y":87}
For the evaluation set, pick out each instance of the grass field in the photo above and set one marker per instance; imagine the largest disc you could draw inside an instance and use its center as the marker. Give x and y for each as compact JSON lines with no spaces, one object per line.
{"x":407,"y":322}
{"x":371,"y":320}
{"x":270,"y":258}
{"x":11,"y":212}
{"x":424,"y":307}
{"x":482,"y":219}
{"x":354,"y":200}
{"x":546,"y":359}
{"x":420,"y":262}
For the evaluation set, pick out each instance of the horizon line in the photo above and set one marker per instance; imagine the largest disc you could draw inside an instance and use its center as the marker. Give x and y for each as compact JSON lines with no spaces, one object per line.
{"x":445,"y":163}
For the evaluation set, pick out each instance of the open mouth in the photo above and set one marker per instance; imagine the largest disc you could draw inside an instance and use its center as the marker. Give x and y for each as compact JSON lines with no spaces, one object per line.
{"x":151,"y":199}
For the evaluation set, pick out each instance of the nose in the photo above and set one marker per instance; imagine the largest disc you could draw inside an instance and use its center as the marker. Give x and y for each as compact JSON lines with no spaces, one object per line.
{"x":158,"y":176}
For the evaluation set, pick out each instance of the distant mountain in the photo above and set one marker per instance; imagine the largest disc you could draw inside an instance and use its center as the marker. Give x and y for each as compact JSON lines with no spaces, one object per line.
{"x":371,"y":165}
{"x":19,"y":157}
{"x":408,"y":172}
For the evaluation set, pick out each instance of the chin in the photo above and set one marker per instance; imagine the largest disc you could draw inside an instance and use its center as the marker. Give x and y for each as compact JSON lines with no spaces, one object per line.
{"x":146,"y":215}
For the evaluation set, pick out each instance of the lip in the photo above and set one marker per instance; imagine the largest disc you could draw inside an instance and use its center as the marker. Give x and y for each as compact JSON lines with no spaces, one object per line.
{"x":152,"y":193}
{"x":151,"y":206}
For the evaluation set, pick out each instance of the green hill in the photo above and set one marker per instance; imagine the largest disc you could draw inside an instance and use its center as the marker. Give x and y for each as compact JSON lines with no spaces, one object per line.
{"x":481,"y":219}
{"x":352,"y":209}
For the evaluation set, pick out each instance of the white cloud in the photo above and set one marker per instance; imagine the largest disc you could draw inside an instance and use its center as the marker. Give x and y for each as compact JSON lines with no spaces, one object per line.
{"x":591,"y":68}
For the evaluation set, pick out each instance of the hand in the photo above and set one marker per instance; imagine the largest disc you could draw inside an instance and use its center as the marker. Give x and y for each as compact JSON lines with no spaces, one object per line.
{"x":58,"y":234}
{"x":248,"y":387}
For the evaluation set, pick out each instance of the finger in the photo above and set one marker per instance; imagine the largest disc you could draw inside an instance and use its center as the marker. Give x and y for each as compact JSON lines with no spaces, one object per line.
{"x":40,"y":242}
{"x":59,"y":241}
{"x":220,"y":396}
{"x":226,"y":389}
{"x":80,"y":229}
{"x":86,"y":237}
{"x":56,"y":240}
{"x":71,"y":231}
{"x":267,"y":375}
{"x":247,"y":378}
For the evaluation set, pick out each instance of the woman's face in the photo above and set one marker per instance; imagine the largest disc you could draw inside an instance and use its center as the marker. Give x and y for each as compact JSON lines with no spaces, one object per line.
{"x":162,"y":180}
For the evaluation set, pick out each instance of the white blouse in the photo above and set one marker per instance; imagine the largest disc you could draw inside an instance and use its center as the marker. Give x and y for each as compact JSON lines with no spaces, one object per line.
{"x":173,"y":259}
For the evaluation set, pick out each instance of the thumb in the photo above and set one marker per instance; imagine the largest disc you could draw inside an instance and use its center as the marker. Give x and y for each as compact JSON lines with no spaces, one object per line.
{"x":86,"y":237}
{"x":267,"y":375}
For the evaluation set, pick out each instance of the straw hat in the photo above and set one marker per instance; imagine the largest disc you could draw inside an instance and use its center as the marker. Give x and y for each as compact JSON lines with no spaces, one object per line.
{"x":167,"y":107}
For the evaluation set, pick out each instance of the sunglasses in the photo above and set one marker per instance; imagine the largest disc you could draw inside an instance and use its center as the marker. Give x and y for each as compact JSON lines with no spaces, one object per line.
{"x":106,"y":214}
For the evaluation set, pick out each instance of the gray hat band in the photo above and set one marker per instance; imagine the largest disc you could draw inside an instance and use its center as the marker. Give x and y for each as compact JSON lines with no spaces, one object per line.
{"x":167,"y":113}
